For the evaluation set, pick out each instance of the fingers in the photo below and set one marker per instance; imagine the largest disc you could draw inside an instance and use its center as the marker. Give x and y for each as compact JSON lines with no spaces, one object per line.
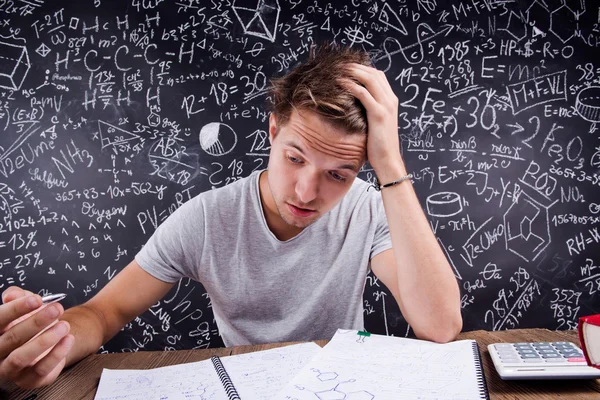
{"x":18,"y":307}
{"x":362,"y":94}
{"x":32,"y":351}
{"x":13,"y":292}
{"x":47,"y":365}
{"x":374,"y":80}
{"x":48,"y":368}
{"x":379,"y":74}
{"x":22,"y":332}
{"x":12,"y":367}
{"x":369,"y":80}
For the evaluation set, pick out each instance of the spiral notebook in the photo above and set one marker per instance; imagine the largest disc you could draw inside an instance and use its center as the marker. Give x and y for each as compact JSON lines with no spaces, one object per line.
{"x":252,"y":376}
{"x":360,"y":365}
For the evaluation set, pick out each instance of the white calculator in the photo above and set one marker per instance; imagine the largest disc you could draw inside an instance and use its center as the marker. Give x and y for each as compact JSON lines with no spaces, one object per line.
{"x":540,"y":360}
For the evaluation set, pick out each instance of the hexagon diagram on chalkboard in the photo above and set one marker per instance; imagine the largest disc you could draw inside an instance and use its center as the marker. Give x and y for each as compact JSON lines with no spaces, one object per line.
{"x":562,"y":23}
{"x":516,"y":27}
{"x":217,"y":138}
{"x":14,"y":66}
{"x":258,"y":17}
{"x":538,"y":16}
{"x":526,"y":227}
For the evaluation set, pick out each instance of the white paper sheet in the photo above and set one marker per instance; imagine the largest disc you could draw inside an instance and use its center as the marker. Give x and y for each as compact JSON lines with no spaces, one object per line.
{"x":261,"y":375}
{"x":194,"y":380}
{"x":386,"y":368}
{"x":256,"y":376}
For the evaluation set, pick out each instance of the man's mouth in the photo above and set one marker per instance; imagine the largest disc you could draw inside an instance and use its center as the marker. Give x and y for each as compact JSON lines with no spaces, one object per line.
{"x":300,"y":212}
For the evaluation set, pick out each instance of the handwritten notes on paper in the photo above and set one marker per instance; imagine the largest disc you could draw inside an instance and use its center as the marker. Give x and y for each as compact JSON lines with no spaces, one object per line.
{"x":258,"y":375}
{"x":387,"y":368}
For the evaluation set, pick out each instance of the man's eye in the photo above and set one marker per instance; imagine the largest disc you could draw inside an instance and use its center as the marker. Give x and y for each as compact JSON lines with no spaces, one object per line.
{"x":294,"y":160}
{"x":337,"y":177}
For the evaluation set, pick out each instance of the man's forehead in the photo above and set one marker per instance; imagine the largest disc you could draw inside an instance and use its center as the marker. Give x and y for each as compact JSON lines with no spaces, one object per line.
{"x":318,"y":125}
{"x":343,"y":162}
{"x":308,"y":134}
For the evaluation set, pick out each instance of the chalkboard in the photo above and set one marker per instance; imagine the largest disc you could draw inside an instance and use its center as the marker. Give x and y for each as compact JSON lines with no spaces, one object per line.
{"x":114,"y":113}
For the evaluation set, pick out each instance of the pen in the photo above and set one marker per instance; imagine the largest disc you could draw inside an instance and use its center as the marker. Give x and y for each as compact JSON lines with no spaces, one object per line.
{"x":53,"y":298}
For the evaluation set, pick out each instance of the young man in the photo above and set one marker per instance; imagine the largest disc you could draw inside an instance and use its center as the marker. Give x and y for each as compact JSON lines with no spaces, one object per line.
{"x":284,"y":253}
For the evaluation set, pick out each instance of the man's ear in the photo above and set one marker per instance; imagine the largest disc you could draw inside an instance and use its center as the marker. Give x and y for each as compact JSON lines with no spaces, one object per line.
{"x":272,"y":127}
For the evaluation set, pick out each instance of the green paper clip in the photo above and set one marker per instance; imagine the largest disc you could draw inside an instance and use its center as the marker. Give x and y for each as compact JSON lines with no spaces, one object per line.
{"x":363,"y":333}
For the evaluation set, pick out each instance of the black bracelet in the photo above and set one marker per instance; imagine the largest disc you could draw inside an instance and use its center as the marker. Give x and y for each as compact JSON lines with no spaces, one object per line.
{"x":379,"y":186}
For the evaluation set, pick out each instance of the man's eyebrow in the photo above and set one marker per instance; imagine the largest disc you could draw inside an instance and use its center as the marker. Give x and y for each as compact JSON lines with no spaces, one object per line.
{"x":294,"y":145}
{"x":351,"y":167}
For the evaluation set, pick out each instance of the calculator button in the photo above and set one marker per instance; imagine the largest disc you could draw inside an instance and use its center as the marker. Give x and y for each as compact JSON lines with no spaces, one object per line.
{"x":556,"y":360}
{"x":511,"y":361}
{"x":566,"y":347}
{"x":508,"y":356}
{"x":540,"y":344}
{"x":525,"y":356}
{"x":544,"y":347}
{"x":526,"y":351}
{"x":523,"y":346}
{"x":551,"y":356}
{"x":533,"y":360}
{"x":503,"y":346}
{"x":547,"y":351}
{"x":571,"y":353}
{"x":573,"y":356}
{"x":576,"y":359}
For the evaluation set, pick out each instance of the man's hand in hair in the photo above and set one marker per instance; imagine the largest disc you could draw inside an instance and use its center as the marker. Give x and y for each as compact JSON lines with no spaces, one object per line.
{"x":378,"y":98}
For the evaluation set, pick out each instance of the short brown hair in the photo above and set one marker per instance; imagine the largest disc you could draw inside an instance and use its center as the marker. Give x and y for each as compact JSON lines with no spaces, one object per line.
{"x":315,"y":86}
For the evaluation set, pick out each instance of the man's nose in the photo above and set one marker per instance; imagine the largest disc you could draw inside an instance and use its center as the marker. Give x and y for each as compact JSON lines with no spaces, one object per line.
{"x":307,"y":187}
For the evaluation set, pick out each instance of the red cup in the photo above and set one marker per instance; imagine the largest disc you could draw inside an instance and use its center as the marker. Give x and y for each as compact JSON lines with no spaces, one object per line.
{"x":589,"y":337}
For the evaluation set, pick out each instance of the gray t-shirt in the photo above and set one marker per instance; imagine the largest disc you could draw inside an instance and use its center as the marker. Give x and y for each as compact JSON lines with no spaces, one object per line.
{"x":264,"y":290}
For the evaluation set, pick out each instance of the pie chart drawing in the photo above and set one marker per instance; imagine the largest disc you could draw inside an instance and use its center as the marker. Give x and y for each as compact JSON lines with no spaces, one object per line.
{"x":217,"y":139}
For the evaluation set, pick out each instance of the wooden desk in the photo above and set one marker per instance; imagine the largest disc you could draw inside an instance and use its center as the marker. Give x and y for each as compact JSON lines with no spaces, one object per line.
{"x":81,"y":380}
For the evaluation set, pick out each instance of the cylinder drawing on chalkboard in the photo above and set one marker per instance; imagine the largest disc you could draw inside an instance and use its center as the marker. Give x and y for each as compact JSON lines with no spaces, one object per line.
{"x":217,"y":139}
{"x":444,"y":204}
{"x":588,"y":104}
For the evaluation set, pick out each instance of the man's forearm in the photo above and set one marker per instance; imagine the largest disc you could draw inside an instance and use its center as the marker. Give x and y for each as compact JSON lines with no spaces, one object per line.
{"x":426,"y":283}
{"x":88,"y":328}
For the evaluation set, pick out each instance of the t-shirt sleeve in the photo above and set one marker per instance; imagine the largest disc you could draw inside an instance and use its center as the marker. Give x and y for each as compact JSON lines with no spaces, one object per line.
{"x":172,"y":251}
{"x":382,"y":240}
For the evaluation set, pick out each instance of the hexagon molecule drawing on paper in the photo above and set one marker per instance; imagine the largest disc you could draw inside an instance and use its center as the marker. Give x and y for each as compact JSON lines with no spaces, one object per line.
{"x":217,"y":139}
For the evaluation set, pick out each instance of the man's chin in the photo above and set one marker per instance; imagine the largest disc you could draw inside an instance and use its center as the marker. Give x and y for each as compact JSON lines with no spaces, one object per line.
{"x":298,"y":222}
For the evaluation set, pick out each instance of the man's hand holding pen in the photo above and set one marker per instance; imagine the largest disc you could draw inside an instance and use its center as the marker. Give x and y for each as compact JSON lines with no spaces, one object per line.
{"x":33,"y":342}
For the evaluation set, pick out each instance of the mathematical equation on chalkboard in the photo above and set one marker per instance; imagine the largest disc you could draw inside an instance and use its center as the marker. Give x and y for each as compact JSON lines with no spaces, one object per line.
{"x":114,"y":114}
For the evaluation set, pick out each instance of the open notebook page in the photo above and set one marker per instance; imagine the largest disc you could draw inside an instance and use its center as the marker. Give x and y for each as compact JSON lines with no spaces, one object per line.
{"x":197,"y":380}
{"x":261,"y":375}
{"x":387,"y":368}
{"x":256,"y":376}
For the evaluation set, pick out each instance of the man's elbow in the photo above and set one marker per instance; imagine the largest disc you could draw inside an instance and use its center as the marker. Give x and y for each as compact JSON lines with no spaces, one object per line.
{"x":443,"y":331}
{"x":449,"y":331}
